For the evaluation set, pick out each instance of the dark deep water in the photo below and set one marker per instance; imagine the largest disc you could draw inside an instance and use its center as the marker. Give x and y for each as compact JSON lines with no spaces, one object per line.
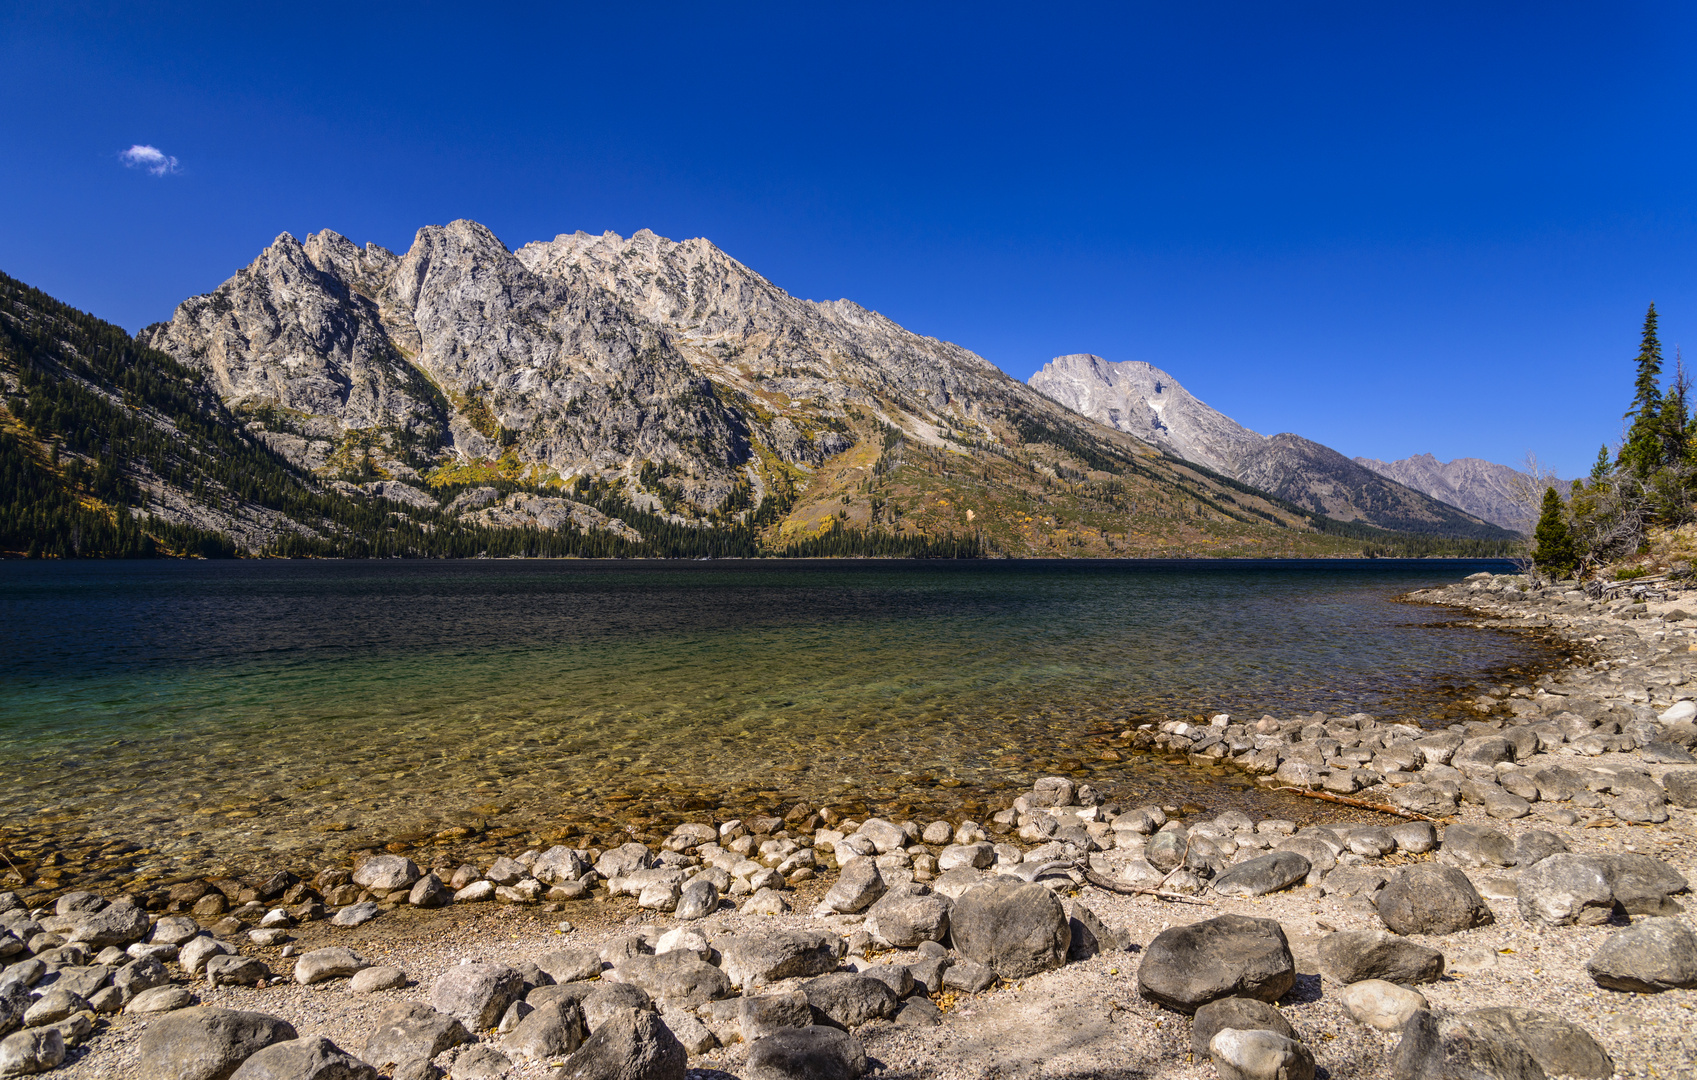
{"x":217,"y":712}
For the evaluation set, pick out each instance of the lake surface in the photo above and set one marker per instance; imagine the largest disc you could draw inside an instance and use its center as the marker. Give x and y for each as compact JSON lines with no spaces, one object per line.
{"x":249,"y":713}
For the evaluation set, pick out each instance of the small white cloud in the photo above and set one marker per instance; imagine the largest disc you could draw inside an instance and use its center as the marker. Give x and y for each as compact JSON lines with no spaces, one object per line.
{"x":156,"y":161}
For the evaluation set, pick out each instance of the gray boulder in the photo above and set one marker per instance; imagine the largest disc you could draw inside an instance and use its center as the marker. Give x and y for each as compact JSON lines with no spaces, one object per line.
{"x":753,"y":960}
{"x":1090,"y":935}
{"x":355,"y":915}
{"x":1642,"y":884}
{"x":1443,"y":1047}
{"x":1263,"y":874}
{"x":429,"y":892}
{"x":1016,"y":928}
{"x":140,"y":975}
{"x":1260,"y":1055}
{"x":15,"y":1001}
{"x":335,"y":962}
{"x":699,"y":899}
{"x":1647,"y":958}
{"x":1428,"y":899}
{"x":33,"y":1051}
{"x":411,"y":1031}
{"x":114,"y":924}
{"x":1381,"y":1004}
{"x":1560,"y":1048}
{"x":386,"y":872}
{"x":1354,"y":955}
{"x":1681,"y":786}
{"x":204,"y":1043}
{"x":848,"y":1000}
{"x":571,"y":965}
{"x":550,"y":1031}
{"x":610,"y":999}
{"x":236,"y":971}
{"x":1537,"y":845}
{"x":1245,"y":1014}
{"x":1477,"y":845}
{"x":477,"y":994}
{"x":1565,"y":889}
{"x":631,"y":1044}
{"x":968,"y":976}
{"x":1414,"y":837}
{"x":315,"y":1058}
{"x":764,"y":1014}
{"x":1186,"y":967}
{"x":809,"y":1053}
{"x":904,"y":920}
{"x":678,"y":977}
{"x":857,"y":887}
{"x":55,"y":1005}
{"x":622,"y":860}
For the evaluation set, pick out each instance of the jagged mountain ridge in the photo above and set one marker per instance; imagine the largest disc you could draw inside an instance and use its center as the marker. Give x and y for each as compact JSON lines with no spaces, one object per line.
{"x":1141,"y":399}
{"x":669,"y":372}
{"x":1497,"y":493}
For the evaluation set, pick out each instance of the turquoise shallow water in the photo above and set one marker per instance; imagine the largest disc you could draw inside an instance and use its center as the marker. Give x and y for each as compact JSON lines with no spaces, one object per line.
{"x":220,"y":712}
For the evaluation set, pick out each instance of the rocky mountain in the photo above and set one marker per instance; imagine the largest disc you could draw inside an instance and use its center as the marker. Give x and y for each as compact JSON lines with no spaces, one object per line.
{"x":1141,"y":399}
{"x":587,"y":395}
{"x":1484,"y":489}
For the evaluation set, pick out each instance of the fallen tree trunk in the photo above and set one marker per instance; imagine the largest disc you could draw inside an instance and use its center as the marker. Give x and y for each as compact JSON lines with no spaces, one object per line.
{"x":1383,"y":808}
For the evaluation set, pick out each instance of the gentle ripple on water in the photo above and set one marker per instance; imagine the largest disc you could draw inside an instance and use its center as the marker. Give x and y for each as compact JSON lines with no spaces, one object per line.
{"x":226,"y":713}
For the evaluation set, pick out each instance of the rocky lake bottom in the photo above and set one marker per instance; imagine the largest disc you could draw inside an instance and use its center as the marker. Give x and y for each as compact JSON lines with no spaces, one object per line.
{"x":165,"y":721}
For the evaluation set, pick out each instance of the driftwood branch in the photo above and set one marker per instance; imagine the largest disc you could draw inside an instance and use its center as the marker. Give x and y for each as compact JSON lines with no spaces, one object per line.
{"x":1132,"y":890}
{"x":1383,"y":808}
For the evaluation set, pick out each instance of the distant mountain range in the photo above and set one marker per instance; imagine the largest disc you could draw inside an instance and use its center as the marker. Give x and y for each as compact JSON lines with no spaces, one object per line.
{"x":1466,"y":498}
{"x":587,"y":395}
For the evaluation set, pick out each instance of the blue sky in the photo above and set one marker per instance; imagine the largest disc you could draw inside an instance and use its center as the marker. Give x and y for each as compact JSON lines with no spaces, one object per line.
{"x":1421,"y":228}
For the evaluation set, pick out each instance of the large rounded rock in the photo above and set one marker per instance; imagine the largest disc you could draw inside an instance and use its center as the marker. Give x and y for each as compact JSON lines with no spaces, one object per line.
{"x":1263,"y":874}
{"x":904,"y":920}
{"x":411,"y":1031}
{"x":857,"y":887}
{"x":204,"y":1043}
{"x":1560,"y":1048}
{"x":1354,"y":955}
{"x":1565,"y":889}
{"x":631,"y":1044}
{"x":1642,"y":885}
{"x":551,"y":1031}
{"x":386,"y":872}
{"x":316,"y":1058}
{"x":1260,"y":1055}
{"x":1381,"y":1004}
{"x":753,"y":960}
{"x":698,"y":899}
{"x":680,"y":978}
{"x":1186,"y":967}
{"x":809,"y":1053}
{"x":1015,"y":928}
{"x":1427,"y":899}
{"x":1477,"y":846}
{"x":29,"y":1052}
{"x":1435,"y":1047}
{"x":1244,"y":1014}
{"x":335,"y":962}
{"x":1647,"y":958}
{"x":847,"y":1000}
{"x":114,"y":924}
{"x":477,"y":994}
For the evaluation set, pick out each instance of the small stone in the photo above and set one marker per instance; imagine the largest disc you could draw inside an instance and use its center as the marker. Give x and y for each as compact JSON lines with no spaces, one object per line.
{"x":193,"y":956}
{"x":937,"y":833}
{"x":969,"y":976}
{"x":1245,"y":1014}
{"x":857,"y":887}
{"x":335,"y":962}
{"x":1380,"y":1004}
{"x":1260,"y":1055}
{"x":160,"y":999}
{"x":429,"y":892}
{"x":236,"y":970}
{"x":475,"y":893}
{"x":1352,"y":956}
{"x":373,"y":979}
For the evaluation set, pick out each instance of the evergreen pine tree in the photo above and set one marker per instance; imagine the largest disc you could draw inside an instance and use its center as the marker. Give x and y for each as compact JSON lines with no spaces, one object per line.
{"x":1555,"y":543}
{"x":1604,"y":466}
{"x":1642,"y":451}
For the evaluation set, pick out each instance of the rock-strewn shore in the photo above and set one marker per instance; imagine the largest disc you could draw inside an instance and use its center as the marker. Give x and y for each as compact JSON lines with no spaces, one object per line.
{"x":1534,"y":928}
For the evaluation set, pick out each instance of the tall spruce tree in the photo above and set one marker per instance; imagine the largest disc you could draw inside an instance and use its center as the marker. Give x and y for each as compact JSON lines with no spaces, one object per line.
{"x":1643,"y":451}
{"x":1555,"y":551}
